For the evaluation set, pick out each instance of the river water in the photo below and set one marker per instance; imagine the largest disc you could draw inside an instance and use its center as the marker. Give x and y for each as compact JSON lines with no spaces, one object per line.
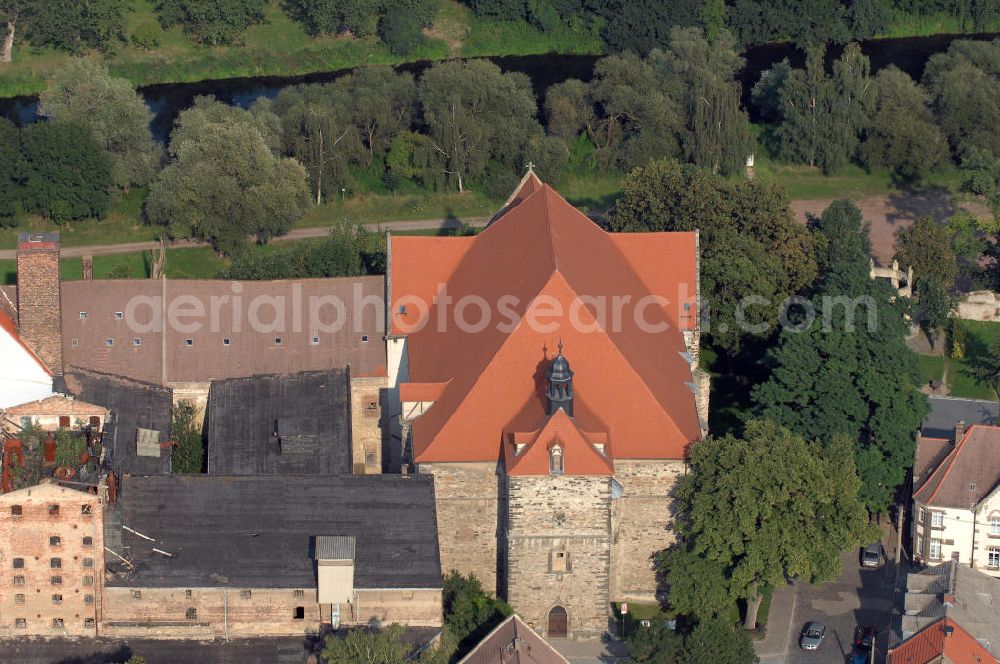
{"x":167,"y":100}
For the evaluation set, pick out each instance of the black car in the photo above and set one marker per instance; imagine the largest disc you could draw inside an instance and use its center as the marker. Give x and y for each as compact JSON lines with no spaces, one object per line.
{"x":863,"y":636}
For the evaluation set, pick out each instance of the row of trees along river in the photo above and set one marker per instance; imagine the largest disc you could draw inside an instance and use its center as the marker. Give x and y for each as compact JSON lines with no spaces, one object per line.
{"x":910,"y":54}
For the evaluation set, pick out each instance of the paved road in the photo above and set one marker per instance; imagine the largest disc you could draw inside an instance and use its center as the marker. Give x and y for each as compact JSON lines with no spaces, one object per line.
{"x":294,"y":234}
{"x":857,"y":597}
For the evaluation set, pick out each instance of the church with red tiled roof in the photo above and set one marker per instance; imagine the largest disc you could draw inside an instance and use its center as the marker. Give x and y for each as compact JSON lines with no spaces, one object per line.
{"x":545,"y":372}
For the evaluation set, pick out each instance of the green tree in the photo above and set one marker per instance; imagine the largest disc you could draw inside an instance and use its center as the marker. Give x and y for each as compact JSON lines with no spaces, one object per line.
{"x":635,"y":119}
{"x":751,"y":245}
{"x":348,"y":251}
{"x":474,"y":113}
{"x":569,"y":109}
{"x":716,"y":134}
{"x":383,"y":103}
{"x":317,"y":131}
{"x":766,"y":92}
{"x":188,"y":456}
{"x":935,"y":308}
{"x":981,"y":176}
{"x":964,"y":84}
{"x":926,"y":247}
{"x":211,"y":22}
{"x":823,"y":117}
{"x":903,"y":136}
{"x":9,"y":173}
{"x":656,"y":644}
{"x":85,"y":92}
{"x":848,"y":371}
{"x":363,"y":646}
{"x":68,"y":26}
{"x":66,"y":173}
{"x":333,"y":16}
{"x":762,"y":508}
{"x":401,"y":31}
{"x":640,"y":26}
{"x":469,"y":611}
{"x":718,"y":641}
{"x":224,"y":183}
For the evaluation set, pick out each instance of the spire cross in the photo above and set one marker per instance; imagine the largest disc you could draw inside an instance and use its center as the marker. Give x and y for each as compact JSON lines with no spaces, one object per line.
{"x":531,"y":167}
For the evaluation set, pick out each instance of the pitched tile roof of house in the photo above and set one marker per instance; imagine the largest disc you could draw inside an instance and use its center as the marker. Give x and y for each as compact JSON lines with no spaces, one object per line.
{"x":944,"y":638}
{"x":225,"y":343}
{"x":929,"y":454}
{"x":56,"y":404}
{"x":513,"y":642}
{"x":8,"y":326}
{"x":540,"y":256}
{"x":959,"y":593}
{"x":968,"y":474}
{"x":580,"y":455}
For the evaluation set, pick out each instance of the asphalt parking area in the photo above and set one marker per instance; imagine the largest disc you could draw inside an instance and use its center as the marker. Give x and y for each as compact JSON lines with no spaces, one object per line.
{"x":858,"y":597}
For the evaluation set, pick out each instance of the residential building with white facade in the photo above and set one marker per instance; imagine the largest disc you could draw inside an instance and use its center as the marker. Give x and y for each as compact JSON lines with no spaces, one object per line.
{"x":956,"y":502}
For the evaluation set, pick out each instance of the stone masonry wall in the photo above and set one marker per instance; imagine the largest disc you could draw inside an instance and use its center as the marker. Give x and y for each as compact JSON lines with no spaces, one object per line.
{"x":466,"y":499}
{"x":642,"y":521}
{"x":568,"y":514}
{"x":52,"y":562}
{"x":165,"y":613}
{"x":39,"y":313}
{"x":367,"y":398}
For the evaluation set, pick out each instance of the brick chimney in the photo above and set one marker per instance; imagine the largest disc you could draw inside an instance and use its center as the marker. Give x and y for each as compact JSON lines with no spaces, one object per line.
{"x":39,"y":311}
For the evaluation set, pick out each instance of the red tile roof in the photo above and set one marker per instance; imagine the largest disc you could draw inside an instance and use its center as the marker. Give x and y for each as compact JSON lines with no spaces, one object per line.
{"x":930,"y":643}
{"x":975,"y":463}
{"x":7,"y":324}
{"x":579,"y":454}
{"x":543,"y":256}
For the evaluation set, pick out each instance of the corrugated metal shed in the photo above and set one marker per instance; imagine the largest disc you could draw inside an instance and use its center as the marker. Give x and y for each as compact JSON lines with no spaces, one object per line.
{"x":335,"y":547}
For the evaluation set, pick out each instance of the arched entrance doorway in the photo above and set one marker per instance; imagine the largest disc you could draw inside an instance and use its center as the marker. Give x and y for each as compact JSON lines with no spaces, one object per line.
{"x":558,"y":622}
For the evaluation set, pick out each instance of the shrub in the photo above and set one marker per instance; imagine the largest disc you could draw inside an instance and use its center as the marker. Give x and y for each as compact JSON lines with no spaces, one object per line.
{"x":400,"y":30}
{"x":147,"y":35}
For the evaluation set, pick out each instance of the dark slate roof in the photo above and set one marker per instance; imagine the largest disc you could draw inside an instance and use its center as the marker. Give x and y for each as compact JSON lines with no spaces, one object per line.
{"x":133,"y":405}
{"x":259,"y":532}
{"x":945,"y":411}
{"x":312,"y":412}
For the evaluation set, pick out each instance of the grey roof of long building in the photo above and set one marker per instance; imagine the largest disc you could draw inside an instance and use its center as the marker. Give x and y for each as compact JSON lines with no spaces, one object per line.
{"x":134,"y":405}
{"x":260,"y":532}
{"x":281,"y":424}
{"x":946,"y":411}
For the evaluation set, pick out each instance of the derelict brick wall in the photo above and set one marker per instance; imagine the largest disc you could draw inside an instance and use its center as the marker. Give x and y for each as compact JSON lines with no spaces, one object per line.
{"x":39,"y":314}
{"x":547,"y":513}
{"x":466,"y":502}
{"x":642,"y":520}
{"x":367,"y":397}
{"x":27,"y":537}
{"x":163,"y":612}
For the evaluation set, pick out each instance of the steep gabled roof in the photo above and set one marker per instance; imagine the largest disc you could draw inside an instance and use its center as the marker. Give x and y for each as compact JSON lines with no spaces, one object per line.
{"x":537,"y":259}
{"x":580,"y":457}
{"x":513,"y":642}
{"x":8,"y":326}
{"x":944,"y":638}
{"x":968,"y":473}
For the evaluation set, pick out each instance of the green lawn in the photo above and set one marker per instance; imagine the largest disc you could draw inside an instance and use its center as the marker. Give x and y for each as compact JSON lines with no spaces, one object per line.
{"x":980,"y":339}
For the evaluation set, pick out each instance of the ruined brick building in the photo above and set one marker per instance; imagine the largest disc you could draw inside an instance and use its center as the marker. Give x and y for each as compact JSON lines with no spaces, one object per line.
{"x":545,"y":373}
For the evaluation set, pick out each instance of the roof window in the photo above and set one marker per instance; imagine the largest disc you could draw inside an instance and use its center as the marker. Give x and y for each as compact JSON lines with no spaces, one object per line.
{"x":83,"y":315}
{"x":119,"y":315}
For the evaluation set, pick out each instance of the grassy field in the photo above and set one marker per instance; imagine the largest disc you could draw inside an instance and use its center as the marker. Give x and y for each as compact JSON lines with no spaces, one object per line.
{"x":904,"y":24}
{"x":981,"y":337}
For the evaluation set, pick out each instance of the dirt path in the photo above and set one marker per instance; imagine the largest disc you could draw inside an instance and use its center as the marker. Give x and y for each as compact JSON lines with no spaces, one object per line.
{"x":294,"y":234}
{"x":887,"y":214}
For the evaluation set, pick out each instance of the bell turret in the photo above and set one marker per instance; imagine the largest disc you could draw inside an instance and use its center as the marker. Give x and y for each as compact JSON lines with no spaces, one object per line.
{"x":560,"y":391}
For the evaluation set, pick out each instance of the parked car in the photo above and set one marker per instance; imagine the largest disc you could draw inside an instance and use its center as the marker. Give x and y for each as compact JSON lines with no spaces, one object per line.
{"x":812,"y":636}
{"x":863,"y":637}
{"x":872,"y":555}
{"x":859,"y":658}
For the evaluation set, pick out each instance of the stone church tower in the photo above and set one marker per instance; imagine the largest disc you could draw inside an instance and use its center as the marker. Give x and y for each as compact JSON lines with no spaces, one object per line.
{"x":552,"y":482}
